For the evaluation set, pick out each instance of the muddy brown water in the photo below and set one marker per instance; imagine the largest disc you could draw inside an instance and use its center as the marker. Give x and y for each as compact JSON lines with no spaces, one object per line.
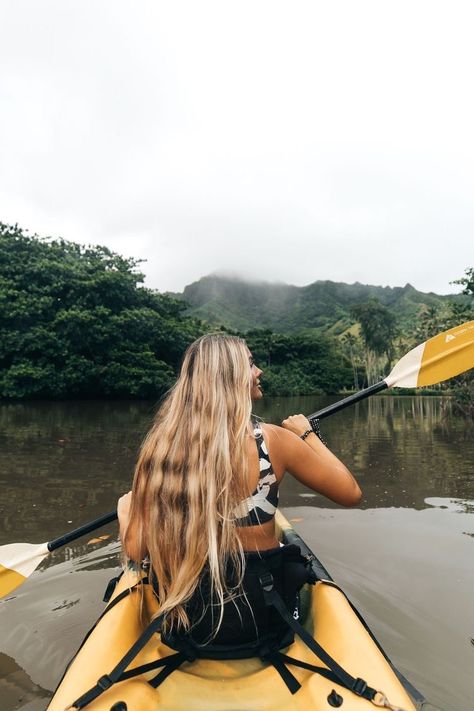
{"x":404,"y":556}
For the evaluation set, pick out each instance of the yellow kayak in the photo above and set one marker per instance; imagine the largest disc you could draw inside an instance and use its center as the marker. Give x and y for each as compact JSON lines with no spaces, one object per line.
{"x":241,"y":684}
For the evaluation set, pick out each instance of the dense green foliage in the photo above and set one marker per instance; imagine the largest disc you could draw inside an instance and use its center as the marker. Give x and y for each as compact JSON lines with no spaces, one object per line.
{"x":299,"y":364}
{"x":324,"y":306}
{"x":76,"y":321}
{"x":377,"y":326}
{"x":463,"y":391}
{"x":434,"y":320}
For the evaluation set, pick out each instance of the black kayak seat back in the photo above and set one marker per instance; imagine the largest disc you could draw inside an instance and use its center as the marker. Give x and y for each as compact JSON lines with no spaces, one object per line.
{"x":248,"y":622}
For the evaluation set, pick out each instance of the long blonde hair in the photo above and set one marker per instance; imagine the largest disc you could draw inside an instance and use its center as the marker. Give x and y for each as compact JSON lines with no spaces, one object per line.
{"x":192,"y":472}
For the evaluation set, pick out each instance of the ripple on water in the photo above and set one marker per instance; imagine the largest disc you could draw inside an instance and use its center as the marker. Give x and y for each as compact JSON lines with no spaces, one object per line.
{"x":45,"y":621}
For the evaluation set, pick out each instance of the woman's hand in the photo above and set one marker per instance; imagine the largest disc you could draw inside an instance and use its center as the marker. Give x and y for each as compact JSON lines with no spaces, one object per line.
{"x":130,"y":541}
{"x":299,"y":424}
{"x":123,"y":512}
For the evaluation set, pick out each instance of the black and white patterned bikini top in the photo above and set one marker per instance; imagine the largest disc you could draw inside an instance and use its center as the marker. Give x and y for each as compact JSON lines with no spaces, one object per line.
{"x":260,"y":506}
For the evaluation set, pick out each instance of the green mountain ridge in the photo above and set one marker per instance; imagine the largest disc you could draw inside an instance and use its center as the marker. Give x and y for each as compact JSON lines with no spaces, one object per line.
{"x":283,"y":308}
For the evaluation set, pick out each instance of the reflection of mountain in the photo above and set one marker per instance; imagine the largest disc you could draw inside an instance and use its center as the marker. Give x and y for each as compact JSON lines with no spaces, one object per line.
{"x":16,"y":687}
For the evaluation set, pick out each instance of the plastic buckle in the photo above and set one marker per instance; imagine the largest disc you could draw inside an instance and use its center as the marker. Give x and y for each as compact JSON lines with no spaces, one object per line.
{"x":266,"y":581}
{"x":105,"y":682}
{"x":381,"y":701}
{"x":359,"y":686}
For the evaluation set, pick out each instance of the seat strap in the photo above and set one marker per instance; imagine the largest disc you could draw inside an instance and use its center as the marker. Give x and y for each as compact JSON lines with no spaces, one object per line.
{"x":273,"y":599}
{"x":107,"y":680}
{"x":112,"y":584}
{"x":124,"y":593}
{"x":278,"y":662}
{"x":150,"y":666}
{"x":322,"y":671}
{"x":171,"y":663}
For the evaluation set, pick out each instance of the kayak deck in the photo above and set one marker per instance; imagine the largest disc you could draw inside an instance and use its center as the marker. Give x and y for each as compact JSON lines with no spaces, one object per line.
{"x":233,"y":685}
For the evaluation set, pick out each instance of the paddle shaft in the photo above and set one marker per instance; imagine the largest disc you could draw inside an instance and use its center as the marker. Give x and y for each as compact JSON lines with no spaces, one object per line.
{"x":82,"y":531}
{"x":350,"y":400}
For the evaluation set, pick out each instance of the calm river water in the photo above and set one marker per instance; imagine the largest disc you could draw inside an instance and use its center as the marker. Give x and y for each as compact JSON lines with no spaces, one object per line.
{"x":404,"y":556}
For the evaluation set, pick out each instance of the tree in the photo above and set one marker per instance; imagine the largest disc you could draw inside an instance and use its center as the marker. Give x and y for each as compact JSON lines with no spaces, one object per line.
{"x":435,"y":320}
{"x":378,"y":330}
{"x":355,"y":349}
{"x":302,"y":363}
{"x":77,"y":321}
{"x":463,"y":390}
{"x":467,"y":282}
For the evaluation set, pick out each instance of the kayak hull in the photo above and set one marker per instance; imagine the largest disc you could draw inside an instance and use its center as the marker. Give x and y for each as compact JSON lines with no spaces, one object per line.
{"x":231,"y":685}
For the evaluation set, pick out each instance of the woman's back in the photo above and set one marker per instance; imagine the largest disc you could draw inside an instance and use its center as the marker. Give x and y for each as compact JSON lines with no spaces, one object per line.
{"x":199,"y":498}
{"x":309,"y":461}
{"x":256,"y":528}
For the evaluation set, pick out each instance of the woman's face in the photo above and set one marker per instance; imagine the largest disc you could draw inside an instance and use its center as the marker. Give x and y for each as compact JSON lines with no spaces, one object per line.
{"x":256,"y":391}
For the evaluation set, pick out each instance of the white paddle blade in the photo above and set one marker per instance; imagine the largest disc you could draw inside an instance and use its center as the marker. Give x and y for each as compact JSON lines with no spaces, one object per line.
{"x":405,"y":373}
{"x":17,"y":562}
{"x":440,"y":358}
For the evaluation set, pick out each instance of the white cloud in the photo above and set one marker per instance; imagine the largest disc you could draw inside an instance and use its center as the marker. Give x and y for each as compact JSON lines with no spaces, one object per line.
{"x":287,"y":141}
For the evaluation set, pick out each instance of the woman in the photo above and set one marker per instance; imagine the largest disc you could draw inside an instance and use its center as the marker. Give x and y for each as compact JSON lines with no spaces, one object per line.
{"x":206,"y":484}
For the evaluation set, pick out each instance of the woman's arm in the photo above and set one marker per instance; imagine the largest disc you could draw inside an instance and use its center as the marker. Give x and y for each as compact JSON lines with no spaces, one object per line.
{"x":312,"y":463}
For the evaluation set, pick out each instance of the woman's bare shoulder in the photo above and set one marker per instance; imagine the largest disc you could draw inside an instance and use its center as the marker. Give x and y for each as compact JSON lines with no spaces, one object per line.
{"x":280,"y":442}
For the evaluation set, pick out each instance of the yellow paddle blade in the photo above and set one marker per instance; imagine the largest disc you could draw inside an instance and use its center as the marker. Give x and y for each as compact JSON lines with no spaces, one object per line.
{"x":9,"y":580}
{"x":17,"y":562}
{"x":440,"y":358}
{"x":448,"y":354}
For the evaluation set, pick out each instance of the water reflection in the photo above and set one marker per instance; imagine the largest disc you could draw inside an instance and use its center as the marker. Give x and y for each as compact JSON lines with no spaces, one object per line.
{"x":65,"y":463}
{"x":402,"y":449}
{"x":405,"y":558}
{"x":20,"y":688}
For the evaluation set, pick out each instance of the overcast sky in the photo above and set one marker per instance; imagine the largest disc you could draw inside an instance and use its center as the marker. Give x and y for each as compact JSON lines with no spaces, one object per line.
{"x":285,"y":141}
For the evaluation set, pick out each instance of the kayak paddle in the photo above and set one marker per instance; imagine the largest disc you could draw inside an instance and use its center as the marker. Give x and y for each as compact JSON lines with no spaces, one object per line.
{"x":440,"y":358}
{"x":19,"y":560}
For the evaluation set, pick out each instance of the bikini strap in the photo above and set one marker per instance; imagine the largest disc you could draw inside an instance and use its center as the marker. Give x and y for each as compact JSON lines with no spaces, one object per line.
{"x":261,"y":446}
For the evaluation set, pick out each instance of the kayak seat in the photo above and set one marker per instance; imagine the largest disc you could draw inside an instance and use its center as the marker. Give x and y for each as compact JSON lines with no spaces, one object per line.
{"x":124,"y":661}
{"x":275,"y":602}
{"x":248,"y":623}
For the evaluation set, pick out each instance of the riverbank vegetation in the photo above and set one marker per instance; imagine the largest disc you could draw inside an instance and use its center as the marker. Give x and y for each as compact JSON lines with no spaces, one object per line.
{"x":78,"y":322}
{"x":381,"y":341}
